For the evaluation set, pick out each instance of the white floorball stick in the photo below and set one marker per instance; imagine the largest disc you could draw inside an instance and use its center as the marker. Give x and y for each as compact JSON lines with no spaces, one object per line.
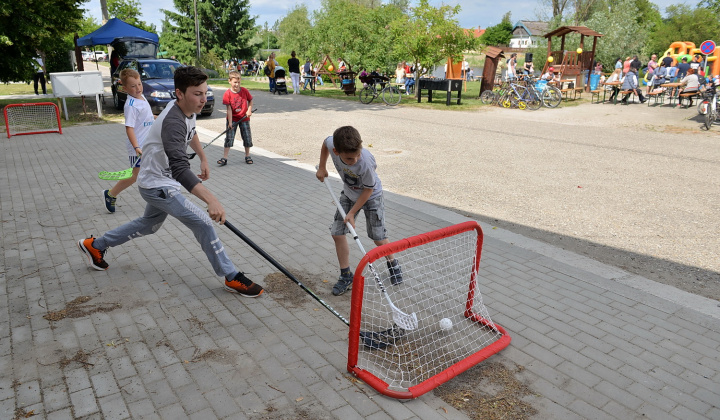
{"x":403,"y":320}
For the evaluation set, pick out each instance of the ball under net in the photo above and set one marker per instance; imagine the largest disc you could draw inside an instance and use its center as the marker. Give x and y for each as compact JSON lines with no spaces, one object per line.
{"x":440,"y":288}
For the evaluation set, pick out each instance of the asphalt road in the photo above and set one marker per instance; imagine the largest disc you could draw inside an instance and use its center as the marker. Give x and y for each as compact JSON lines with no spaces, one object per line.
{"x":631,"y":186}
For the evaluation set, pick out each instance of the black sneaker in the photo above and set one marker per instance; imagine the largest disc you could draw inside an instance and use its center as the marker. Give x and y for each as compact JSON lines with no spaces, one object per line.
{"x":395,"y":272}
{"x":95,"y":257}
{"x":109,"y":201}
{"x":343,"y":285}
{"x":243,"y":286}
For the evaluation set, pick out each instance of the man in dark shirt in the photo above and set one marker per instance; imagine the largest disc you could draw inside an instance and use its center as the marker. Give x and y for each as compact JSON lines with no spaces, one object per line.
{"x":635,"y":63}
{"x":683,"y":67}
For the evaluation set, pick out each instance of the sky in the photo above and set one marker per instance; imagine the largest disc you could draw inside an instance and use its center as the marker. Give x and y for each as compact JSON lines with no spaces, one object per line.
{"x":474,"y":13}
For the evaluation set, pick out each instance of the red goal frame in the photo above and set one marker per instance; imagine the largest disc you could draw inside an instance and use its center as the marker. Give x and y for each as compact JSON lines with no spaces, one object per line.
{"x":357,"y":305}
{"x":57,"y":115}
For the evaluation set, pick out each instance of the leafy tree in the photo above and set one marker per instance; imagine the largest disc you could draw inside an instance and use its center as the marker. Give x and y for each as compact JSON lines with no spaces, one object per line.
{"x":359,"y":34}
{"x":499,"y":34}
{"x":38,"y":24}
{"x":684,"y":23}
{"x":429,"y":35}
{"x":623,"y":35}
{"x":226,"y":29}
{"x":294,"y":31}
{"x":129,"y":11}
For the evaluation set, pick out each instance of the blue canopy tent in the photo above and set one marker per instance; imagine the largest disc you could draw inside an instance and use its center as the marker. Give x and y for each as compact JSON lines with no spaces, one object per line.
{"x":127,"y":41}
{"x":114,"y":29}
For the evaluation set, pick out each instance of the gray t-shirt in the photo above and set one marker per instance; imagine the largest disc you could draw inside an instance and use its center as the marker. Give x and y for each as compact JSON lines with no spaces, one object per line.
{"x":359,"y":176}
{"x":164,"y":160}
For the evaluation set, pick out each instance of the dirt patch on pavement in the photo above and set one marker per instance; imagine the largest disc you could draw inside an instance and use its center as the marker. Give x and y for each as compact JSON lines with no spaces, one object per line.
{"x":279,"y":284}
{"x":76,"y":309}
{"x":489,"y":391}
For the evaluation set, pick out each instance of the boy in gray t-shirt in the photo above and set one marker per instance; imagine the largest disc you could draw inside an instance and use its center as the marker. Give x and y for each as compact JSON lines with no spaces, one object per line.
{"x":361,"y":190}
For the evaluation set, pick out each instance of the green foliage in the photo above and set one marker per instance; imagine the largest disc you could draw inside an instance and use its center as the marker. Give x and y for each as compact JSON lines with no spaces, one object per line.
{"x":623,"y":34}
{"x":499,"y":34}
{"x":129,"y":12}
{"x":684,"y":23}
{"x":294,"y":31}
{"x":429,"y":35}
{"x":226,"y":28}
{"x":29,"y":25}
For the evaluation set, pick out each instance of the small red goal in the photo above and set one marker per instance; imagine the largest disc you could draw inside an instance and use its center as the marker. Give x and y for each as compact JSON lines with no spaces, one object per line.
{"x":442,"y":286}
{"x":32,"y":118}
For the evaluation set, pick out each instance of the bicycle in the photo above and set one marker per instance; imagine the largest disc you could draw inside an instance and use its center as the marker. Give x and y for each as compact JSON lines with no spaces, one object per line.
{"x":551,"y":95}
{"x":390,"y":94}
{"x":711,"y":112}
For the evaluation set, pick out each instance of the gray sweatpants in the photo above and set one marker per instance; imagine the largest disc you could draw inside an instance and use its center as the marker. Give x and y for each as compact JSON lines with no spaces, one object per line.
{"x":160,"y":203}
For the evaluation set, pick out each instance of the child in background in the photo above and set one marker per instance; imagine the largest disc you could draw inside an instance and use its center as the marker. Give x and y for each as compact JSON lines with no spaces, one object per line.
{"x":239,"y":109}
{"x":138,"y":121}
{"x":361,"y":190}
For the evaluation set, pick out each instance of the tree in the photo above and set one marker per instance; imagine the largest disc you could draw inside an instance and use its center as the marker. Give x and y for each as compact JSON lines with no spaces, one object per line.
{"x":429,"y":35}
{"x":294,"y":31}
{"x":29,"y":25}
{"x":623,"y":35}
{"x":355,"y":32}
{"x":499,"y":34}
{"x":129,"y":11}
{"x":226,"y":29}
{"x":684,"y":23}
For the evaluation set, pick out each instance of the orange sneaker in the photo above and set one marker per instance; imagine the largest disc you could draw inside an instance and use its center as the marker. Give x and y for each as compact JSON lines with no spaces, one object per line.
{"x":243,"y":285}
{"x":94,"y":256}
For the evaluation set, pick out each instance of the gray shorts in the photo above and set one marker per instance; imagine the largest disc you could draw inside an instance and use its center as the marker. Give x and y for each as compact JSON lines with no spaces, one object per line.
{"x":244,"y":127}
{"x":374,"y":218}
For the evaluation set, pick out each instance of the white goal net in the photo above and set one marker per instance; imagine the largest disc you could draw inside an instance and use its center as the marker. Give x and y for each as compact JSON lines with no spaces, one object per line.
{"x":440,"y":285}
{"x":32,"y":118}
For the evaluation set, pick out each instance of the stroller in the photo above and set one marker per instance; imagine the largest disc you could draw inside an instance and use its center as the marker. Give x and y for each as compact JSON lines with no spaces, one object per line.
{"x":280,"y":83}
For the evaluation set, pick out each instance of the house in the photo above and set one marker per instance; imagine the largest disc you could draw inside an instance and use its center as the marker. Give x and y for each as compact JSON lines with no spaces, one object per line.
{"x":526,"y":33}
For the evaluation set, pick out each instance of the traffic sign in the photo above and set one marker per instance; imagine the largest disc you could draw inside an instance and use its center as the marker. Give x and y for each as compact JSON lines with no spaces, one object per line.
{"x":707,"y":47}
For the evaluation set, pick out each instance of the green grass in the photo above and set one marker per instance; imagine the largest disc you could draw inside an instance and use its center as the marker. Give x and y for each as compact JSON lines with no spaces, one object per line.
{"x":22,"y":88}
{"x":469,"y":100}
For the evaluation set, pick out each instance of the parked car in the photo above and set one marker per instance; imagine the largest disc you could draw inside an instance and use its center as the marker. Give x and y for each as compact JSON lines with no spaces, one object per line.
{"x":87,"y":55}
{"x":158,"y":84}
{"x":101,"y":56}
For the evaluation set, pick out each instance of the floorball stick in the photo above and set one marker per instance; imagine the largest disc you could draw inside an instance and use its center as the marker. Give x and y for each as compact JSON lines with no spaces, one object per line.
{"x":233,"y":125}
{"x":403,"y":320}
{"x":373,"y":340}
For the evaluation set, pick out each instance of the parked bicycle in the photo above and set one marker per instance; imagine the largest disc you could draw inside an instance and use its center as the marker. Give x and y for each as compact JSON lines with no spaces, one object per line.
{"x":390,"y":94}
{"x":710,"y":104}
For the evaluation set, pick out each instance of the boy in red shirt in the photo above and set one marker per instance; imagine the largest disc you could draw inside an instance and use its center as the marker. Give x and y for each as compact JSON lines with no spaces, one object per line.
{"x":239,"y":109}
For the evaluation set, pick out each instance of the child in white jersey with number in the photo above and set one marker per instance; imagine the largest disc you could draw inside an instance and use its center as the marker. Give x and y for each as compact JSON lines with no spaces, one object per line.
{"x":138,"y":122}
{"x":361,"y":190}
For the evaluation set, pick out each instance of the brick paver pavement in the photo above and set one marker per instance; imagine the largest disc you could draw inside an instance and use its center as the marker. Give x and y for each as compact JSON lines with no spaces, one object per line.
{"x":163,"y":340}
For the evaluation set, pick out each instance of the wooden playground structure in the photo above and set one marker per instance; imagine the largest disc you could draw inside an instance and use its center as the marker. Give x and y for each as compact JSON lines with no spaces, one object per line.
{"x":571,"y":64}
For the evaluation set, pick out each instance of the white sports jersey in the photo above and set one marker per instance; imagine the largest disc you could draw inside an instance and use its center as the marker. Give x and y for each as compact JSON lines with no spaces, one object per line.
{"x":139,"y":116}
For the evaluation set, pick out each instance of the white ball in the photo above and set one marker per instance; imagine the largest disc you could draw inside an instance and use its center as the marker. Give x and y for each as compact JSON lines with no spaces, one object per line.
{"x":445,"y":324}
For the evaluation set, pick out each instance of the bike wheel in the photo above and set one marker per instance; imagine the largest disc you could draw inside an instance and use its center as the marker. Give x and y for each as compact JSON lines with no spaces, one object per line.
{"x":703,"y":106}
{"x":487,"y":97}
{"x":533,"y":100}
{"x":710,"y":116}
{"x":552,"y":97}
{"x":521,"y":104}
{"x":391,"y":95}
{"x":367,"y":95}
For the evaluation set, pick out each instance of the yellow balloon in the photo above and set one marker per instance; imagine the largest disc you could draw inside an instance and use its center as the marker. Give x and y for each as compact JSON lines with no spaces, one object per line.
{"x":579,"y":50}
{"x":550,"y":59}
{"x":331,"y":68}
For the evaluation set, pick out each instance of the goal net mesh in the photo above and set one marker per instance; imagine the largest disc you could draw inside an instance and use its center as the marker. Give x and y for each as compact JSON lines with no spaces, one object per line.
{"x":439,"y":282}
{"x":34,"y":118}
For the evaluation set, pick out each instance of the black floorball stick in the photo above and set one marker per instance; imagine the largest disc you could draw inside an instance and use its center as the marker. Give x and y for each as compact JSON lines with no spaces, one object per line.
{"x":233,"y":125}
{"x":370,"y":339}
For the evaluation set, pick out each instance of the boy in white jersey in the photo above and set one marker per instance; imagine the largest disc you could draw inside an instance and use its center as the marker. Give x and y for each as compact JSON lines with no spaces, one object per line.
{"x":361,"y":190}
{"x":138,"y":121}
{"x":165,"y":169}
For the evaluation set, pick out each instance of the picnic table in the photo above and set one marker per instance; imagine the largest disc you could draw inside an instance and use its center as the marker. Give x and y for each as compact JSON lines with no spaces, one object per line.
{"x":616,"y":90}
{"x":672,"y":88}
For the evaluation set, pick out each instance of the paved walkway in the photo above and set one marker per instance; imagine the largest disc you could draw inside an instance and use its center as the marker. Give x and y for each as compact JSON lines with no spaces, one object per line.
{"x":159,"y":338}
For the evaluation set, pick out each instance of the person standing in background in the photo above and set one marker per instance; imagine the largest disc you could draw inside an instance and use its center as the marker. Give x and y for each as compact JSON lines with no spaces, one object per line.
{"x":39,"y":73}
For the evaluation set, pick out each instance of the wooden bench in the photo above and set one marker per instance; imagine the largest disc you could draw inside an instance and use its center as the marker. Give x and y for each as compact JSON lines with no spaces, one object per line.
{"x":631,"y":93}
{"x":689,"y":96}
{"x":600,"y":89}
{"x":657,"y":96}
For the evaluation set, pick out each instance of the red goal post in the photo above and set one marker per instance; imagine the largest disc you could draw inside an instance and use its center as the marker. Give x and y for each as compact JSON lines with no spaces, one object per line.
{"x":32,"y":118}
{"x":441,"y":285}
